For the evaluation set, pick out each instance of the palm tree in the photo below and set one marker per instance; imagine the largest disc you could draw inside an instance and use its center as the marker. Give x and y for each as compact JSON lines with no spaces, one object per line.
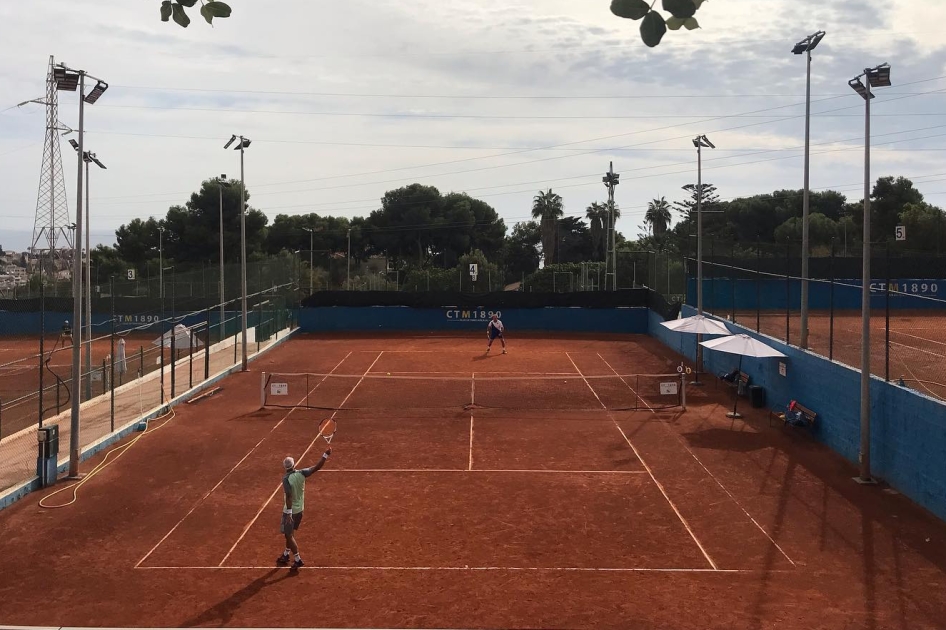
{"x":658,"y":216}
{"x":548,"y":208}
{"x":597,"y":214}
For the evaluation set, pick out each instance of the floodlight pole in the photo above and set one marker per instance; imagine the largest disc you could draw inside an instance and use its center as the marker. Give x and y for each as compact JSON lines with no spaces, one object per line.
{"x":880,"y":74}
{"x":311,"y":245}
{"x":243,"y":250}
{"x":699,"y":142}
{"x":88,"y":287}
{"x":77,"y":296}
{"x":805,"y":209}
{"x":865,"y":475}
{"x":220,"y":184}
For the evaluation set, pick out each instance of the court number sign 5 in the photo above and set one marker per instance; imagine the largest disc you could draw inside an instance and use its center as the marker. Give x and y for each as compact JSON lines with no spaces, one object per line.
{"x":901,"y":233}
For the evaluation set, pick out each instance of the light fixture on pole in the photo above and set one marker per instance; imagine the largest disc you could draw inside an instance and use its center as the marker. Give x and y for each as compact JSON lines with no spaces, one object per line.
{"x":699,"y":142}
{"x":875,"y":77}
{"x":806,"y":46}
{"x":221,"y":184}
{"x":85,"y":335}
{"x":311,"y":232}
{"x":241,"y":146}
{"x":68,"y":79}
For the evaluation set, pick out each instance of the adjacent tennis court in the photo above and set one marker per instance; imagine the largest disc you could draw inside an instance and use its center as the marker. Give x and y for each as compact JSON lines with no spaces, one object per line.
{"x":561,"y":485}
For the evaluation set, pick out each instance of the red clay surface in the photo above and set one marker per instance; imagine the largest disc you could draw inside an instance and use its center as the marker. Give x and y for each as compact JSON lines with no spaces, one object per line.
{"x":917,"y":342}
{"x":431,"y":515}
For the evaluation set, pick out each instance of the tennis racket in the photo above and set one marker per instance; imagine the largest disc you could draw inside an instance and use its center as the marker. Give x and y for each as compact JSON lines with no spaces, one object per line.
{"x":327,"y":429}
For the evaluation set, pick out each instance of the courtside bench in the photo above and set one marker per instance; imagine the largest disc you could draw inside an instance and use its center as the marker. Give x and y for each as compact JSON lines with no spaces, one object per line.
{"x":794,"y":414}
{"x":741,"y":383}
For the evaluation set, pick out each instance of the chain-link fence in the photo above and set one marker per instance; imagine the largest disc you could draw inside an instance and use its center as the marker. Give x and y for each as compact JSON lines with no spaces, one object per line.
{"x":145,"y":354}
{"x":762,"y":289}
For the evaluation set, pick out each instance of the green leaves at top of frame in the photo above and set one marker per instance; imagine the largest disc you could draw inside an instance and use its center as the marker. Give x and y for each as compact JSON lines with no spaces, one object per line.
{"x":210,"y":9}
{"x":653,"y":28}
{"x":180,"y":16}
{"x":214,"y":9}
{"x":630,"y":9}
{"x":682,"y":9}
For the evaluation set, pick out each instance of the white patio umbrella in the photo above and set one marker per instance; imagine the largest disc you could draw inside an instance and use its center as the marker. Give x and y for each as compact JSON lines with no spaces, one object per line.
{"x":744,"y":346}
{"x":697,"y":325}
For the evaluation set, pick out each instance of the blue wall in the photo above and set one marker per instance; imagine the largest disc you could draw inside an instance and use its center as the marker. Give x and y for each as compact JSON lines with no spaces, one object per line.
{"x":770,"y":293}
{"x":618,"y":320}
{"x":908,"y":430}
{"x":22,"y":324}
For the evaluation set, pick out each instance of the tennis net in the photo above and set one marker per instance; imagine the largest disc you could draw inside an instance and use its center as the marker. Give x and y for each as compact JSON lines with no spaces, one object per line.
{"x":623,"y":392}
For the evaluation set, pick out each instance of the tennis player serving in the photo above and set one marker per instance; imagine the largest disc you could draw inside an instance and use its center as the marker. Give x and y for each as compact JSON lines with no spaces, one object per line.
{"x":495,"y":329}
{"x":293,"y":484}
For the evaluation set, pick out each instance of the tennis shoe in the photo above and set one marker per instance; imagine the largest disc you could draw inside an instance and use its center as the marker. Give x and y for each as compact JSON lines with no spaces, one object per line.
{"x":296,"y":564}
{"x":283,"y":560}
{"x":504,"y":351}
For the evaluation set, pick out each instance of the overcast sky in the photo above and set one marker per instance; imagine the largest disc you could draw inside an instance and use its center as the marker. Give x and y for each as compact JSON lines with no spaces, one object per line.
{"x":345,"y":100}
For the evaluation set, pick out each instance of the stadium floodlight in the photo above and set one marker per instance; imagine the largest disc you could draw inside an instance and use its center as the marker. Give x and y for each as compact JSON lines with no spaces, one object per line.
{"x":806,"y":46}
{"x":809,"y":43}
{"x":243,"y":144}
{"x":878,"y":76}
{"x":97,"y":91}
{"x":67,"y":79}
{"x":699,"y":142}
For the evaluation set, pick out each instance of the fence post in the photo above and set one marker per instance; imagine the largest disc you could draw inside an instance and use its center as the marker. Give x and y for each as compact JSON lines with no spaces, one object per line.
{"x":712,"y":272}
{"x":105,"y":384}
{"x":173,"y":360}
{"x":788,"y":293}
{"x":42,"y":336}
{"x":111,"y":377}
{"x":831,"y":308}
{"x":161,"y":350}
{"x":887,"y":315}
{"x":207,"y":349}
{"x":758,"y":289}
{"x":732,"y":282}
{"x":141,"y":361}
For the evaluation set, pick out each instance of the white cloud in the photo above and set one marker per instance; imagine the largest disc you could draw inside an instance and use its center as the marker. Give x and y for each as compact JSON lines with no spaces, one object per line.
{"x":160,"y":143}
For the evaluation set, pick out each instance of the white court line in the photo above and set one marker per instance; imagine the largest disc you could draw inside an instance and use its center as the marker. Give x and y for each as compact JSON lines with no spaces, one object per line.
{"x":486,"y":470}
{"x":471,"y":443}
{"x":713,"y":477}
{"x":481,"y":569}
{"x":938,"y":343}
{"x":250,"y":452}
{"x":649,"y":471}
{"x":903,"y":345}
{"x":301,"y":457}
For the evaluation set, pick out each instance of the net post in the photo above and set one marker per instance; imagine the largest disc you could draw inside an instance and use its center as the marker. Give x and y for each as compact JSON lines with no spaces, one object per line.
{"x":207,"y":349}
{"x":262,"y":390}
{"x":190,"y":358}
{"x":173,"y":359}
{"x":683,"y":391}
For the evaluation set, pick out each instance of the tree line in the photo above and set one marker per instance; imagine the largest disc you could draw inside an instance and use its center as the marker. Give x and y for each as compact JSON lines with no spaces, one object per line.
{"x":418,"y":228}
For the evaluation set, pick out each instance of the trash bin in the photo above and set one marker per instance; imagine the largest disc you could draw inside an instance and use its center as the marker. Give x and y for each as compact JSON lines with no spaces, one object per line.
{"x":757,"y":396}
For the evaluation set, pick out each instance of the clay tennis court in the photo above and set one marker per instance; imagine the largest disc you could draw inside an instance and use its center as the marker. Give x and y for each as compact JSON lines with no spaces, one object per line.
{"x":917,"y":342}
{"x":454,"y":500}
{"x":19,"y":373}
